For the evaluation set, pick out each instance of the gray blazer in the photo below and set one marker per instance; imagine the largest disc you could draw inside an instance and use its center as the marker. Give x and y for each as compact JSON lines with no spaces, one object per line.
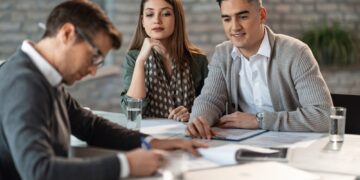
{"x":299,"y":94}
{"x":36,"y":120}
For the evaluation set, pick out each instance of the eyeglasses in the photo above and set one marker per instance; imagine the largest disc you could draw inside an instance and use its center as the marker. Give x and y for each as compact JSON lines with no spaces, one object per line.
{"x":98,"y":58}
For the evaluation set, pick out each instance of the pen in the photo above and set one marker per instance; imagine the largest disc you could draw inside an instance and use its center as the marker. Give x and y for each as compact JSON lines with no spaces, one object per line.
{"x":145,"y":144}
{"x":227,"y":108}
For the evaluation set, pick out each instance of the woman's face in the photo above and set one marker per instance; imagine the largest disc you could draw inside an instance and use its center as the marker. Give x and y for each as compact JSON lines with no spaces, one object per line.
{"x":158,"y":19}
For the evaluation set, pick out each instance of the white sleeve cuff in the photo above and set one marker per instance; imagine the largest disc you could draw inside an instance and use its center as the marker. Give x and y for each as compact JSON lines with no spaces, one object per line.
{"x":124,"y":165}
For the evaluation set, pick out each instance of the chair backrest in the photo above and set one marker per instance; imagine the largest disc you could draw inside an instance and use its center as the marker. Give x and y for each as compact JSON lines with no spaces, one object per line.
{"x":352,"y":104}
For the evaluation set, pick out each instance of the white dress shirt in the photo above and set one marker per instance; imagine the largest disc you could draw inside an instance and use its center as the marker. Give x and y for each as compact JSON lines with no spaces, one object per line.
{"x":55,"y":78}
{"x":254,"y":91}
{"x":49,"y":72}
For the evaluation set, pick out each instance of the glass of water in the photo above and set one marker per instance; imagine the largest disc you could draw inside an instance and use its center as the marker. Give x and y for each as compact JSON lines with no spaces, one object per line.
{"x":337,"y":124}
{"x":134,"y":108}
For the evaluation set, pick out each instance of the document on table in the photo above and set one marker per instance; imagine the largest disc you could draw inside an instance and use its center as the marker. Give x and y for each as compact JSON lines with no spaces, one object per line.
{"x":283,"y":139}
{"x":159,"y":127}
{"x":170,"y":128}
{"x":226,"y":154}
{"x":235,"y":134}
{"x":253,"y":171}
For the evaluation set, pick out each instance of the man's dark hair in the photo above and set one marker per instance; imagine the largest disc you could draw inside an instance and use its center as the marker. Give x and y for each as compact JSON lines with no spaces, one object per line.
{"x":257,"y":2}
{"x":87,"y":16}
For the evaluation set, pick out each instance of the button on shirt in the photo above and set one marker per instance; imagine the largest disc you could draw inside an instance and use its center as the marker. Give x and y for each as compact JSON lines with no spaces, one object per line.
{"x":254,"y":91}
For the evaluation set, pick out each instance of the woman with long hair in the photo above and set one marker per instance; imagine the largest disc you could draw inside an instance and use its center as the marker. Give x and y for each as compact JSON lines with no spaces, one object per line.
{"x":162,"y":67}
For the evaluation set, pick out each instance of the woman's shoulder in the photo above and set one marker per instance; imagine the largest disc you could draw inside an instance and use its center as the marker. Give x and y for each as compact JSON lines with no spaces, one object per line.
{"x":133,"y":52}
{"x":199,"y":57}
{"x":131,"y":56}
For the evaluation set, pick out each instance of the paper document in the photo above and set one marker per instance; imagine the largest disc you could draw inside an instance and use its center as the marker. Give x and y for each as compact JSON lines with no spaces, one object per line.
{"x":163,"y":127}
{"x":253,"y":171}
{"x":235,"y":134}
{"x":225,"y":155}
{"x":283,"y":139}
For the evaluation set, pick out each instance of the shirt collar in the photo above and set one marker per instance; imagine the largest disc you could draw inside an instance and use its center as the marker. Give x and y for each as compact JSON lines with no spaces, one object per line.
{"x":50,"y":73}
{"x":265,"y":46}
{"x":264,"y":49}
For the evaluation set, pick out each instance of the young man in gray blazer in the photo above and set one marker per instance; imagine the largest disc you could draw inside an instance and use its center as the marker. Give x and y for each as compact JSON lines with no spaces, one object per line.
{"x":37,"y":115}
{"x":262,"y":79}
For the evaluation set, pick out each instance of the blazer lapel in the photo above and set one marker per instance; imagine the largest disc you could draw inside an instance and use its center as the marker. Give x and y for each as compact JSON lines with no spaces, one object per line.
{"x":235,"y":67}
{"x":272,"y":72}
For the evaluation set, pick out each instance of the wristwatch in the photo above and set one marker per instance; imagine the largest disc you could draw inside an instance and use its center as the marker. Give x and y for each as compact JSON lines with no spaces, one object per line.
{"x":260,"y":118}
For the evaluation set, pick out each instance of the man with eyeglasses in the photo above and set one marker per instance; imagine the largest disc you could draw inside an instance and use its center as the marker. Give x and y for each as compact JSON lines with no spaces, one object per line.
{"x":98,"y":59}
{"x":37,"y":115}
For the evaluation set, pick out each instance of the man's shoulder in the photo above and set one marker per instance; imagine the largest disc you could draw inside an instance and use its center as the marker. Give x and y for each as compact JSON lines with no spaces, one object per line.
{"x":289,"y":42}
{"x":223,"y":49}
{"x":225,"y":45}
{"x":288,"y":50}
{"x":18,"y":63}
{"x":19,"y":68}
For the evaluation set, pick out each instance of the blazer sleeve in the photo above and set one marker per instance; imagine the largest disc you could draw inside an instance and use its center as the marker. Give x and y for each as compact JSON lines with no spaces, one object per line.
{"x":313,"y":99}
{"x":27,"y":129}
{"x":128,"y":68}
{"x":211,"y":101}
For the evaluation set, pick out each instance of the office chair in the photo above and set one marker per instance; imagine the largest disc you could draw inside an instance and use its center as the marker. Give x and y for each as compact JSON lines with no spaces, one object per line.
{"x":352,"y":104}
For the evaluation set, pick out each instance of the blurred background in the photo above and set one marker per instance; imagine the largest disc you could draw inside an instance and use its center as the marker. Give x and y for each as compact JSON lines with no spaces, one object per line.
{"x":330,"y":27}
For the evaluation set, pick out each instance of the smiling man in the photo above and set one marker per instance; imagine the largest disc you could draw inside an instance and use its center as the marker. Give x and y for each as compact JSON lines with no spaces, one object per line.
{"x":37,"y":115}
{"x":259,"y":79}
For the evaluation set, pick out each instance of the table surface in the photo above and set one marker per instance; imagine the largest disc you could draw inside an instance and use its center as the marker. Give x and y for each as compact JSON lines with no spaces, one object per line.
{"x":314,"y":154}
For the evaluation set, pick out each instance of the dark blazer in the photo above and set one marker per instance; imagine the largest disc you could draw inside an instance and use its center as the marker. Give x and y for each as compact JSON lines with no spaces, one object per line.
{"x":36,"y":120}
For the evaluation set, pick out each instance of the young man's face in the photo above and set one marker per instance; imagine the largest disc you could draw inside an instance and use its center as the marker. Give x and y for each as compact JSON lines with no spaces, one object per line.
{"x":243,"y":24}
{"x":77,"y":57}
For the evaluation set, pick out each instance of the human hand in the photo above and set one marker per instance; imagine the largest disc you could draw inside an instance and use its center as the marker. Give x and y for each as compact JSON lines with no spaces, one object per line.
{"x":180,"y":113}
{"x":174,"y":144}
{"x":147,"y":47}
{"x":239,"y":120}
{"x":200,"y":128}
{"x":145,"y":163}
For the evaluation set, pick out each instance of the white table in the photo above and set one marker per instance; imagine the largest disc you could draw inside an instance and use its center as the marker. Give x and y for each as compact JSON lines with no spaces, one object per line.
{"x":315,"y":155}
